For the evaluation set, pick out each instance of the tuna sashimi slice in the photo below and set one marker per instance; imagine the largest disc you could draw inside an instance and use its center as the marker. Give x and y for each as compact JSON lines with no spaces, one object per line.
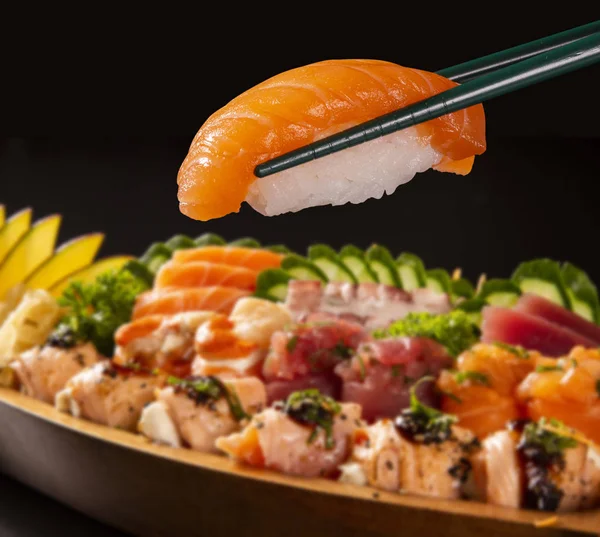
{"x":519,"y":328}
{"x":541,"y":307}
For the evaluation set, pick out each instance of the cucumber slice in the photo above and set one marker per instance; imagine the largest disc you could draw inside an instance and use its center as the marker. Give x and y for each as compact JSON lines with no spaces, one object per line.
{"x":278,"y":249}
{"x":180,"y":242}
{"x":472,"y":307}
{"x":462,"y":288}
{"x":272,"y":284}
{"x":140,"y":271}
{"x":301,"y":268}
{"x":411,"y":270}
{"x":327,"y":259}
{"x":582,"y":292}
{"x":209,"y":239}
{"x":245,"y":242}
{"x":542,"y":277}
{"x":438,"y":280}
{"x":503,"y":293}
{"x":354,"y":258}
{"x":156,"y":256}
{"x":383,"y":264}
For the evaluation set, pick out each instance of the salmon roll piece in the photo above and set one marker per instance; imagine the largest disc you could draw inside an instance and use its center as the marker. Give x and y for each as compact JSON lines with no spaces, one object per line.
{"x":204,"y":274}
{"x":43,"y":371}
{"x":109,"y":395}
{"x":308,"y":435}
{"x":200,"y":409}
{"x":237,"y":256}
{"x":538,"y":465}
{"x":167,"y":302}
{"x":309,"y":103}
{"x":384,"y":457}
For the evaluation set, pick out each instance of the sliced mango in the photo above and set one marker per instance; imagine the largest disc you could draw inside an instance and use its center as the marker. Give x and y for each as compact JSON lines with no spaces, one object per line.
{"x":71,"y":257}
{"x":89,"y":274}
{"x":2,"y":215}
{"x":13,"y":230}
{"x":36,"y":246}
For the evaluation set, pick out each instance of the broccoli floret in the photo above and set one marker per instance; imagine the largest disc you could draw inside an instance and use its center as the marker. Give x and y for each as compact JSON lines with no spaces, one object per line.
{"x":456,"y":330}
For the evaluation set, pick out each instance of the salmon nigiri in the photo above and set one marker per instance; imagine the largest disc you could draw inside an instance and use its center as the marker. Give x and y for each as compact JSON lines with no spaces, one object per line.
{"x":216,"y":298}
{"x":203,"y":273}
{"x":309,"y":103}
{"x":250,"y":258}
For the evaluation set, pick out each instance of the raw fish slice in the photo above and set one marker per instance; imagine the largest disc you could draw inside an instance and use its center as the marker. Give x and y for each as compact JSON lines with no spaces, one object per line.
{"x":250,"y":258}
{"x":275,"y":441}
{"x":199,"y":424}
{"x":478,"y":408}
{"x":543,"y":308}
{"x":309,"y":103}
{"x":381,"y":374}
{"x":204,"y":273}
{"x":217,"y":299}
{"x":519,"y":328}
{"x":327,"y":384}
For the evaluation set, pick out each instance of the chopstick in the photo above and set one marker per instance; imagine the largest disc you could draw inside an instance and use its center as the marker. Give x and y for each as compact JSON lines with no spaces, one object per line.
{"x":479,"y":66}
{"x":564,"y":59}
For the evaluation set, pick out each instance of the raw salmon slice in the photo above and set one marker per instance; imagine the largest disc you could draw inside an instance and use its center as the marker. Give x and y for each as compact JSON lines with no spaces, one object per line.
{"x":216,"y":298}
{"x":250,"y":258}
{"x":204,"y":273}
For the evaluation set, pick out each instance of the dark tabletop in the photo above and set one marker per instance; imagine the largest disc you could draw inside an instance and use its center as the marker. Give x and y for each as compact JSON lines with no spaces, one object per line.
{"x":26,"y":513}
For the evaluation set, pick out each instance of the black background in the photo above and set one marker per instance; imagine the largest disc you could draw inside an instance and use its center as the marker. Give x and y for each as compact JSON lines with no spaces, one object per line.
{"x":99,"y":108}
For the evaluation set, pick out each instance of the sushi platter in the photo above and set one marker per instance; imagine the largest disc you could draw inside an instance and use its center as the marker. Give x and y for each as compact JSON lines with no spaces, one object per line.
{"x":217,"y":386}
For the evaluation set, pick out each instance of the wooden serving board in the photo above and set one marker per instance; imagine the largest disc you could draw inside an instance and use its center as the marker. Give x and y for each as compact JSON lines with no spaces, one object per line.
{"x":148,"y":490}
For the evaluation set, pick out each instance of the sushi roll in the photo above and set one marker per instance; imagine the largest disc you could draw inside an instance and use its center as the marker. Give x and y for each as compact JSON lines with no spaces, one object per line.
{"x":310,"y":103}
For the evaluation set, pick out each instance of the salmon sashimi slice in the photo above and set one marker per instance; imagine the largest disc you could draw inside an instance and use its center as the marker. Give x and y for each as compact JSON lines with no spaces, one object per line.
{"x":305,"y":104}
{"x":250,"y":258}
{"x":204,"y":274}
{"x":273,"y":440}
{"x":216,"y":298}
{"x":140,"y":328}
{"x":199,"y":422}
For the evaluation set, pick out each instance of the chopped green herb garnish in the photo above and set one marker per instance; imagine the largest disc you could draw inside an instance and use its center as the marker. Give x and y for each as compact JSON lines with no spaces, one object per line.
{"x":96,"y":310}
{"x":342,"y":350}
{"x":291,"y":344}
{"x":574,"y":363}
{"x":456,"y":330}
{"x":552,"y":442}
{"x":311,"y":407}
{"x":547,"y":368}
{"x":205,"y":389}
{"x":361,"y":365}
{"x":518,"y":351}
{"x":598,"y":387}
{"x":455,"y":398}
{"x":423,"y":423}
{"x":475,"y":376}
{"x":395,"y":370}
